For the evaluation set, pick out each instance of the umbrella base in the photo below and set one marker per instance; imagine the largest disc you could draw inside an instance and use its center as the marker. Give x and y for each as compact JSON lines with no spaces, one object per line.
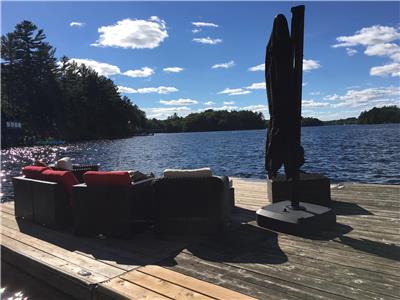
{"x":280,"y":217}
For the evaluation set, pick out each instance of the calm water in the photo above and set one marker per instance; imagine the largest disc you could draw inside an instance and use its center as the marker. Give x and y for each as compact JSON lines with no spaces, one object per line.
{"x":368,"y":153}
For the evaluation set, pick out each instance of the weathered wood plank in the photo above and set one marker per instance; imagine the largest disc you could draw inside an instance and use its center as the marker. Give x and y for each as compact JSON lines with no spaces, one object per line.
{"x":117,"y":287}
{"x":95,"y":266}
{"x":203,"y":287}
{"x":162,"y":286}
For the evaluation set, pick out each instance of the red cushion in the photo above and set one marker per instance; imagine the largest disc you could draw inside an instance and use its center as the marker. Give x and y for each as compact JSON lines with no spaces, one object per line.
{"x":66,"y":178}
{"x":115,"y":178}
{"x":34,"y":172}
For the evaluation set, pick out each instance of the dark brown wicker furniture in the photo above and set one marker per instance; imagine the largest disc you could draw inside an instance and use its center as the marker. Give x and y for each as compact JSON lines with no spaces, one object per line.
{"x":192,"y":205}
{"x":42,"y":202}
{"x":115,"y":211}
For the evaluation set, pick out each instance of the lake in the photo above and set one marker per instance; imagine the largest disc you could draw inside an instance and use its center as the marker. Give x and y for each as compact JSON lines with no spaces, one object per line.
{"x":351,"y":153}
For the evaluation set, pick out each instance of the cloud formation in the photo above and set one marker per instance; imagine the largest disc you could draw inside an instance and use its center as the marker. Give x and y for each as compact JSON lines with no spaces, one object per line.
{"x":308,"y":65}
{"x":164,"y":112}
{"x":148,"y":90}
{"x":133,"y":34}
{"x":173,"y":69}
{"x":257,"y":86}
{"x":77,"y":24}
{"x":351,"y":51}
{"x":226,"y":65}
{"x":229,"y":102}
{"x":103,"y":69}
{"x":204,"y":24}
{"x":366,"y":98}
{"x":314,"y":104}
{"x":143,"y":72}
{"x":209,"y":103}
{"x":207,"y":40}
{"x":179,"y":102}
{"x":260,"y":67}
{"x":257,"y":108}
{"x":378,"y":41}
{"x":234,"y":92}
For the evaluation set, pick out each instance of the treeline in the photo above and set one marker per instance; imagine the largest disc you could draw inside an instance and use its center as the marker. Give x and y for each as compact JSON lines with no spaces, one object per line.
{"x":59,"y":99}
{"x":209,"y":120}
{"x":385,"y":114}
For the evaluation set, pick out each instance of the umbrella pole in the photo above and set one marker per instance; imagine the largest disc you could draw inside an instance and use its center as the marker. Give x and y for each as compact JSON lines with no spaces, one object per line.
{"x":297,"y":35}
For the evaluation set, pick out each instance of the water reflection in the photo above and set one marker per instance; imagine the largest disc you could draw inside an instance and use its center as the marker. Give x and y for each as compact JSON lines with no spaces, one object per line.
{"x":368,"y":153}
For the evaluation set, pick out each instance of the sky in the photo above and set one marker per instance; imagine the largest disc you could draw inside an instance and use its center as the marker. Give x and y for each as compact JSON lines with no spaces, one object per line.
{"x":184,"y":57}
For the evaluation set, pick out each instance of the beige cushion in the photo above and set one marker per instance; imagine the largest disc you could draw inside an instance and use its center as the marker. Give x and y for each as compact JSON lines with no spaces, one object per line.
{"x":64,"y":163}
{"x":188,"y":173}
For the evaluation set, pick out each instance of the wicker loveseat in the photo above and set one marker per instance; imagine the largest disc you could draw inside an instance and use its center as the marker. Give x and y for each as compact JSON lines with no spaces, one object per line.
{"x":193,"y":205}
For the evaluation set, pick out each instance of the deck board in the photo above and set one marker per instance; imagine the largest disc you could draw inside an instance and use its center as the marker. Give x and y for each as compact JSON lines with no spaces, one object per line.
{"x":358,"y":259}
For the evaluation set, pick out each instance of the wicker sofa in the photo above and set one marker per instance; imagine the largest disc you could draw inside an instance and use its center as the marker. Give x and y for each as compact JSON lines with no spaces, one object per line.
{"x":193,"y":205}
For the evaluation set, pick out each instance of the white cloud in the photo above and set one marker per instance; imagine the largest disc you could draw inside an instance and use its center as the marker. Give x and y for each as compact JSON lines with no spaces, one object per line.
{"x":103,"y":69}
{"x":257,"y":108}
{"x":234,"y":92}
{"x":367,"y":97}
{"x":196,"y":30}
{"x":315,"y":93}
{"x":351,"y":51}
{"x":389,"y":69}
{"x":226,"y":65}
{"x":310,"y":64}
{"x":126,"y":90}
{"x":173,"y":69}
{"x":207,"y":40}
{"x":229,"y":102}
{"x":209,"y":103}
{"x":133,"y":34}
{"x":165,"y":112}
{"x":257,"y":86}
{"x":225,"y":107}
{"x":178,"y":102}
{"x":377,"y":40}
{"x":389,"y":49}
{"x":260,"y":67}
{"x":366,"y":36}
{"x":204,"y":24}
{"x":332,"y":97}
{"x":143,"y":72}
{"x":314,"y":104}
{"x":148,"y":90}
{"x":77,"y":24}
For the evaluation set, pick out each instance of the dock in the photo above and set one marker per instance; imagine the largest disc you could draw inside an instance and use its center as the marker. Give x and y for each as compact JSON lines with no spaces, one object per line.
{"x":358,"y":259}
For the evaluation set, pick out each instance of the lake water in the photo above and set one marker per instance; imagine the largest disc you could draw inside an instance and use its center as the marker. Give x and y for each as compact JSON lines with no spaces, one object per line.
{"x":357,"y":153}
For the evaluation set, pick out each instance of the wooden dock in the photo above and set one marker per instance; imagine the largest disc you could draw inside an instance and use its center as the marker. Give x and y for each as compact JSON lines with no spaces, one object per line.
{"x":359,"y":259}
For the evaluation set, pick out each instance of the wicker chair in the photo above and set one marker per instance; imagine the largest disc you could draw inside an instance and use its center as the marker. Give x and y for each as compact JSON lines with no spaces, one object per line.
{"x":115,"y":211}
{"x":43,"y":202}
{"x":192,"y":205}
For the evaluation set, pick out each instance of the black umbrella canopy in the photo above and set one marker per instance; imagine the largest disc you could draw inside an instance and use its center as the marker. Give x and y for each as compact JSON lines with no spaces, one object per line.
{"x":283,"y":140}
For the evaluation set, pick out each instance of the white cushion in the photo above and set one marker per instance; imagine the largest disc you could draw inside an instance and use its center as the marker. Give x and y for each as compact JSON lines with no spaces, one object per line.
{"x":64,"y":163}
{"x":188,"y":173}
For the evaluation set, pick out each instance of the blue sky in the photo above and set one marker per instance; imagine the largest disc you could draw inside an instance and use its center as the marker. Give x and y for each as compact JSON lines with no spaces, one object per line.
{"x":189,"y":56}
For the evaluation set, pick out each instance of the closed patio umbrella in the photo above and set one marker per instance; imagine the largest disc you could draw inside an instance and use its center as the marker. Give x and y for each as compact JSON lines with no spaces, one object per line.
{"x":283,"y":74}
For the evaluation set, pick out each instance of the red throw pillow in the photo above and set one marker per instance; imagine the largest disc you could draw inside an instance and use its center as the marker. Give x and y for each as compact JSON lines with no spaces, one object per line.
{"x":66,"y":178}
{"x":114,"y":178}
{"x":34,"y":172}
